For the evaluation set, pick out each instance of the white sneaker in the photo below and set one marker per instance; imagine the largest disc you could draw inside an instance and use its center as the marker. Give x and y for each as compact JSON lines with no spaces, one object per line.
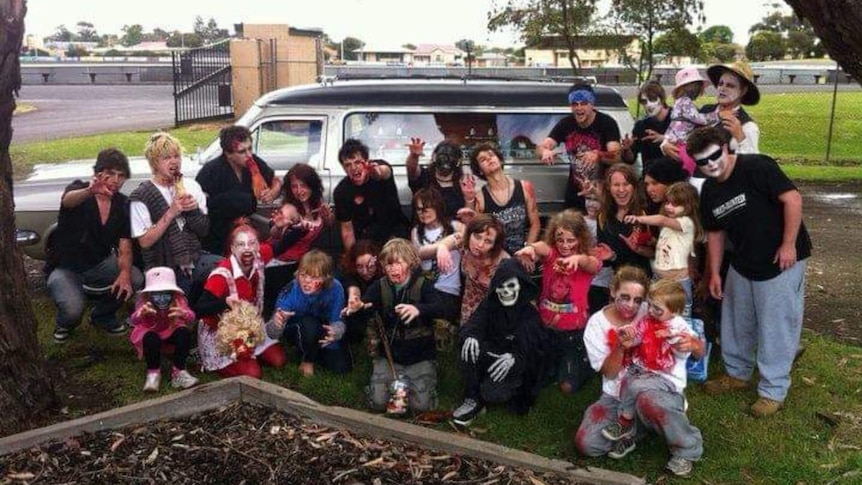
{"x":183,"y":380}
{"x":152,"y":382}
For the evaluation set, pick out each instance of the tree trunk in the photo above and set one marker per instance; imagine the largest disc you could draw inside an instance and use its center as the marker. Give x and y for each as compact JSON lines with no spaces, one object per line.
{"x":25,"y":389}
{"x":837,"y":23}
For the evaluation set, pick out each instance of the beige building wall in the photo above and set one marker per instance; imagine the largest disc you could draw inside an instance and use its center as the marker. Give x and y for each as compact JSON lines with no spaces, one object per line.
{"x":269,"y":58}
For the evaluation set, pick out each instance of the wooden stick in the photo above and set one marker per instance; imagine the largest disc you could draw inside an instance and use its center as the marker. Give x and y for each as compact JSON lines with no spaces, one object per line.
{"x":386,"y":348}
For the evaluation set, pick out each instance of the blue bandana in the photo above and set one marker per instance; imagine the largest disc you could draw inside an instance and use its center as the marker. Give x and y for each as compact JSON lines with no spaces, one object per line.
{"x":582,"y":96}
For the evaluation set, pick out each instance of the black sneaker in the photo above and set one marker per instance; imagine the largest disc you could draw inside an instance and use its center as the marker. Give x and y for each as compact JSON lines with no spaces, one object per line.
{"x":467,"y":412}
{"x":61,"y":334}
{"x":622,"y":448}
{"x":121,"y":328}
{"x":617,"y":431}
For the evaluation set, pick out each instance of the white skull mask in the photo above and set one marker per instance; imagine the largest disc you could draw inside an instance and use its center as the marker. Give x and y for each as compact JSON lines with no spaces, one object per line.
{"x":508,"y":291}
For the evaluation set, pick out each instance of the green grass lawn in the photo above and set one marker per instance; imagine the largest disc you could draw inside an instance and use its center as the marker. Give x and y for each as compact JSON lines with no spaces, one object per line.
{"x":798,"y":445}
{"x":794,"y":127}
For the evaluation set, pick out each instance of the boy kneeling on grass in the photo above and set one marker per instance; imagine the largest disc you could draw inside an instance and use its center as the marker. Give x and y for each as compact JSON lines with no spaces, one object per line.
{"x":406,"y":305}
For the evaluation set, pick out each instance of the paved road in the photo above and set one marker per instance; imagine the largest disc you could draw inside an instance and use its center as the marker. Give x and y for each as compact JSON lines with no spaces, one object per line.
{"x":67,"y":110}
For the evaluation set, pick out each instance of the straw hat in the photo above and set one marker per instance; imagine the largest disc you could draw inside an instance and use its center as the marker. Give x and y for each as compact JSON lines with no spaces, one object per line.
{"x":687,"y":75}
{"x":161,"y":278}
{"x":743,"y":72}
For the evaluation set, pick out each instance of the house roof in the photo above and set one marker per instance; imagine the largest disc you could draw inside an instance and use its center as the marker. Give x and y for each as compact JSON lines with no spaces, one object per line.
{"x":584,"y":42}
{"x":384,"y":49}
{"x":427,"y":49}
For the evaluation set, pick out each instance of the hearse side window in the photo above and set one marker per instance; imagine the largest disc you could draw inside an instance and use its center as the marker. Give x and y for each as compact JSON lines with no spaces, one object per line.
{"x":387,"y":134}
{"x":283,"y":143}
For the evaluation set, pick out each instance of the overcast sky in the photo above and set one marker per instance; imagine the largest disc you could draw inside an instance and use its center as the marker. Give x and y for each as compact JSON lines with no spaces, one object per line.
{"x":376,"y":22}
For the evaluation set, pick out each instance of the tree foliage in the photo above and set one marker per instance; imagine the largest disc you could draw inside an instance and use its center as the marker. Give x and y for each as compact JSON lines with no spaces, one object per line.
{"x":677,"y":43}
{"x":86,"y":32}
{"x":62,"y":34}
{"x":718,"y":34}
{"x":765,"y":46}
{"x":538,"y":19}
{"x":647,"y":19}
{"x":209,"y":31}
{"x":132,"y":35}
{"x":351,"y":44}
{"x":187,"y":40}
{"x":798,"y":37}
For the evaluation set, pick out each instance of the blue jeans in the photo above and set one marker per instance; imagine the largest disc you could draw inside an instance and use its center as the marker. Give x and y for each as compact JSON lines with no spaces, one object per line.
{"x":67,"y":293}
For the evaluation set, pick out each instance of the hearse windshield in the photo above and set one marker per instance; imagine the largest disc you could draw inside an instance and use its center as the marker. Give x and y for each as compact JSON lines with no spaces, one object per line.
{"x":387,"y":134}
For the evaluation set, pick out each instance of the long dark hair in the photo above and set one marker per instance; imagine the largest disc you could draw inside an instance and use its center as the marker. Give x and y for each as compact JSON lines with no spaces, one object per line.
{"x":431,"y":198}
{"x":307,"y":175}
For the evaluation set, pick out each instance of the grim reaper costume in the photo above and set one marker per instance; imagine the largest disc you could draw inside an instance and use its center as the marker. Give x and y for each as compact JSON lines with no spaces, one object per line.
{"x":506,"y":351}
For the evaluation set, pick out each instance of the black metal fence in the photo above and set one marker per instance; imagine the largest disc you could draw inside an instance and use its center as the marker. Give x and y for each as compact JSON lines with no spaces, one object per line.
{"x":202,"y":83}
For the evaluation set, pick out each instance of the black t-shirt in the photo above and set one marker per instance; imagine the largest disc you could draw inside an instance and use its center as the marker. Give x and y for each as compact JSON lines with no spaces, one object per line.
{"x":746,"y":206}
{"x":373,"y":208}
{"x":453,"y":198}
{"x":649,"y":151}
{"x":576,"y":139}
{"x":228,"y":198}
{"x":81,"y":241}
{"x":609,"y":233}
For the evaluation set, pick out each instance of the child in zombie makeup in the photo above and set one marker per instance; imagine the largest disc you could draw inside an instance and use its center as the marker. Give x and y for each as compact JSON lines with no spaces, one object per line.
{"x":161,"y":320}
{"x":684,"y":116}
{"x":238,"y":278}
{"x":308,"y":313}
{"x":506,"y":350}
{"x":655,"y":377}
{"x":406,"y":305}
{"x":568,"y":267}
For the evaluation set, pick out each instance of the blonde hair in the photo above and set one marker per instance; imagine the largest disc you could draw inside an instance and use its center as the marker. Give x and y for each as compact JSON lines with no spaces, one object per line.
{"x":574,"y":222}
{"x":685,"y":195}
{"x":399,"y":249}
{"x":317,"y":264}
{"x":669,"y":292}
{"x":161,"y":145}
{"x":629,"y":274}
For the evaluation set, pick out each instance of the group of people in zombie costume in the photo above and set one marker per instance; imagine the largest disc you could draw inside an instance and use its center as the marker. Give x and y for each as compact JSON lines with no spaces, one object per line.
{"x":608,"y":288}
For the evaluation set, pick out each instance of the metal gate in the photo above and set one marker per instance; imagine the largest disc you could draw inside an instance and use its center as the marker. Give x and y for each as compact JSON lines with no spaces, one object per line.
{"x":202,"y":83}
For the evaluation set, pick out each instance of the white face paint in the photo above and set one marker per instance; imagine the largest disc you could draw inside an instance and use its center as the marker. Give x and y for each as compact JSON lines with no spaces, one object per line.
{"x":729,"y":89}
{"x":245,"y":248}
{"x":651,"y":106}
{"x":712,"y":161}
{"x":508,"y":291}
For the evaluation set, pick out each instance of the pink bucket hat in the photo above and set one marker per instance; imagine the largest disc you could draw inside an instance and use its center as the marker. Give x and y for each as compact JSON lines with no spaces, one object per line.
{"x":688,"y":75}
{"x":161,"y":278}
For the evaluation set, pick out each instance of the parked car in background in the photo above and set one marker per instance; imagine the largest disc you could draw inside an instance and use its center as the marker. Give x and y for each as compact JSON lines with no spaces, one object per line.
{"x":309,"y":124}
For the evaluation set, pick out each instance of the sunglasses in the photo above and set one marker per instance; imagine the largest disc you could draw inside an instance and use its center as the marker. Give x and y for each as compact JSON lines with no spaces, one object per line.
{"x":714,"y":156}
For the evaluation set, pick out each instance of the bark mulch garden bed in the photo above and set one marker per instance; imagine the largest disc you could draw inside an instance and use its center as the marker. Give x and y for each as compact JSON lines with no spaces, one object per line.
{"x":248,"y":444}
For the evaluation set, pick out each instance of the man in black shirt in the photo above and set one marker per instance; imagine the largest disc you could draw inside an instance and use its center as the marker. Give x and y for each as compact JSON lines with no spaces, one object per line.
{"x":92,"y":248}
{"x":366,"y":199}
{"x":592,"y":142}
{"x":648,"y":131}
{"x":234,"y":182}
{"x":749,"y":200}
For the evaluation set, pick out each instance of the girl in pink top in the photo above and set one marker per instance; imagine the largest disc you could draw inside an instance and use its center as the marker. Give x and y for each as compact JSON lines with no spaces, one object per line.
{"x":568,"y":269}
{"x":161,"y":322}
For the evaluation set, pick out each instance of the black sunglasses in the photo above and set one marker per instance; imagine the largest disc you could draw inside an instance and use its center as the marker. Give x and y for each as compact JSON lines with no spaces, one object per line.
{"x":709,"y":158}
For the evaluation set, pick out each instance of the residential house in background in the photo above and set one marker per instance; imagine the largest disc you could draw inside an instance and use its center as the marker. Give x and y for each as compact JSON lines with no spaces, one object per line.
{"x":387,"y":55}
{"x":491,"y":59}
{"x":438,"y":55}
{"x":593,"y":51}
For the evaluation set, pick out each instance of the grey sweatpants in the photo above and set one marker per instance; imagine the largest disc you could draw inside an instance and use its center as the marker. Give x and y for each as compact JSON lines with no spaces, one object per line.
{"x":421,"y":380}
{"x":658,"y":410}
{"x":761,"y":322}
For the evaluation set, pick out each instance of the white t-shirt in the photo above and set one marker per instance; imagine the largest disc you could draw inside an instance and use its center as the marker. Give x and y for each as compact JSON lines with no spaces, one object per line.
{"x":674,"y":247}
{"x":598,"y":349}
{"x":677,"y":375}
{"x":141,"y":220}
{"x":450,"y":282}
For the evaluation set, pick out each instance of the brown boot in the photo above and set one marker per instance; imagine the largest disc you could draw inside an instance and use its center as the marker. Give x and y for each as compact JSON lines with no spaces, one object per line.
{"x":765,"y":407}
{"x":724,"y":384}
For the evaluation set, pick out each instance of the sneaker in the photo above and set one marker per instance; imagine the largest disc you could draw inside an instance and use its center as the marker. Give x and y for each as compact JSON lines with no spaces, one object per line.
{"x":182,"y":379}
{"x":617,"y":431}
{"x":121,"y":328}
{"x":679,"y":466}
{"x":62,"y":334}
{"x":622,"y":448}
{"x":764,"y":407}
{"x":724,"y":384}
{"x":467,"y":412}
{"x":154,"y":379}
